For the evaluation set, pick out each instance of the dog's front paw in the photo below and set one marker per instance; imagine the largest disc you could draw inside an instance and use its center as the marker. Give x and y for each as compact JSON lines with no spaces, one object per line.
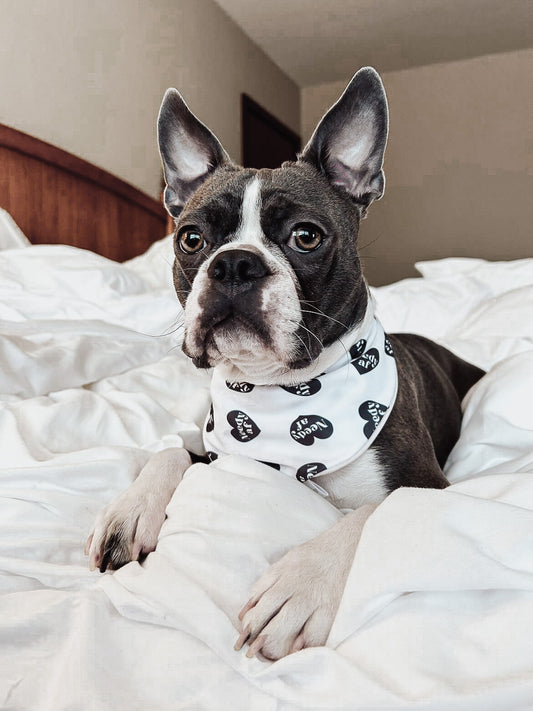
{"x":294,"y":603}
{"x":124,"y":530}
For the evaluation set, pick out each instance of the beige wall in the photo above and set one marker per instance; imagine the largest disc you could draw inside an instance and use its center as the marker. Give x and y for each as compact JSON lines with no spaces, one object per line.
{"x":459,"y":163}
{"x":89,"y":76}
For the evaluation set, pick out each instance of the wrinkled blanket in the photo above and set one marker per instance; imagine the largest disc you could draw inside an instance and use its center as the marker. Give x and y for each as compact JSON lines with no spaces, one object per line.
{"x":437,"y":608}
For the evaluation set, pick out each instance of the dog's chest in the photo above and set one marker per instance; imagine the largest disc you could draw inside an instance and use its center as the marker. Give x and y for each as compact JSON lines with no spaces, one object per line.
{"x":361,"y":482}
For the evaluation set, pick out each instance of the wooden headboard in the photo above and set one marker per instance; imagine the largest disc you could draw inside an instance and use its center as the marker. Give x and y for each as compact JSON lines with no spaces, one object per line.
{"x":56,"y":197}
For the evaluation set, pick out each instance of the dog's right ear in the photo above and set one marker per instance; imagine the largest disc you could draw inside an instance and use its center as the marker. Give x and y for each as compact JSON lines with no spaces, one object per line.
{"x":348,"y":144}
{"x":189,"y":151}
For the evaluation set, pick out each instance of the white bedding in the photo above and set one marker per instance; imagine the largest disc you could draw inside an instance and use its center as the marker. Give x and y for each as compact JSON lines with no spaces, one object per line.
{"x":439,"y":602}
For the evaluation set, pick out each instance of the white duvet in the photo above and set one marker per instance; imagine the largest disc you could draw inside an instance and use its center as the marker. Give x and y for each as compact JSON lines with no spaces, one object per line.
{"x":438,"y":607}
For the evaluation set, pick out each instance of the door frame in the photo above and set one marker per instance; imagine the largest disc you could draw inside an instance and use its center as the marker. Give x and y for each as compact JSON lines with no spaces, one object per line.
{"x":249,"y":106}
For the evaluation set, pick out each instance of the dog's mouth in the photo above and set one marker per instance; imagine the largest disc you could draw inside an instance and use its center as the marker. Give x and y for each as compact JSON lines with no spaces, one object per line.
{"x":233,"y":325}
{"x":217,"y":336}
{"x":247,"y":343}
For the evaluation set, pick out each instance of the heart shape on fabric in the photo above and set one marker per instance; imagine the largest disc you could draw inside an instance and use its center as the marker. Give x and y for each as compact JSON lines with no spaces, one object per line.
{"x":210,"y":424}
{"x":273,"y":465}
{"x":309,"y":470}
{"x":367,"y":362}
{"x":240,"y":387}
{"x":372,"y":412}
{"x":358,"y":348}
{"x":311,"y":387}
{"x":306,"y":428}
{"x":244,"y":428}
{"x":389,"y":350}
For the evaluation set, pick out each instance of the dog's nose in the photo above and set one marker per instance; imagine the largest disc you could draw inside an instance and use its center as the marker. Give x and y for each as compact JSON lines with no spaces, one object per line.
{"x":237,"y":268}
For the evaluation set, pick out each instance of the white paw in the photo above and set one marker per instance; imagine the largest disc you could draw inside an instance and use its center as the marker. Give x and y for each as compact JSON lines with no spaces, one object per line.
{"x":130,"y":525}
{"x":294,"y":603}
{"x":124,"y":530}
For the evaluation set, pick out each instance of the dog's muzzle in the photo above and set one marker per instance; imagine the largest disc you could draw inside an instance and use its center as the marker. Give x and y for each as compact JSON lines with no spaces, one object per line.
{"x":243,"y":310}
{"x":230,"y":301}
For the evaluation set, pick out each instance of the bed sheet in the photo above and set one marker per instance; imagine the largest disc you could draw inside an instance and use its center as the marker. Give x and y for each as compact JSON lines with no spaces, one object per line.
{"x":436,"y":608}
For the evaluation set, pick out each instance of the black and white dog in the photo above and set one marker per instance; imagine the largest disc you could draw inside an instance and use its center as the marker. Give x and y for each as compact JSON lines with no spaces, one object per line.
{"x":304,"y":378}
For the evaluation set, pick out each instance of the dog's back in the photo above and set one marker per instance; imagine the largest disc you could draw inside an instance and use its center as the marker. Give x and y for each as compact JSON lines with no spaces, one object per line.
{"x":463,"y":375}
{"x":432,"y":383}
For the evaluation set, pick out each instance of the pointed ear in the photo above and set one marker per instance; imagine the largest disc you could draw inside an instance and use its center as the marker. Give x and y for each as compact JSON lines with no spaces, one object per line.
{"x":348,"y":144}
{"x":189,"y":151}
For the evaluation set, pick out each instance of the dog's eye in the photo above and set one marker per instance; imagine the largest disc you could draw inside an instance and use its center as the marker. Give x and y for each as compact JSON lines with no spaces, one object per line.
{"x":191,"y":241}
{"x":305,"y":238}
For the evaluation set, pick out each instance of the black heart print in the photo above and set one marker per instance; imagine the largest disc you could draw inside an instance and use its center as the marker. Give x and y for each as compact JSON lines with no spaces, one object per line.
{"x":244,"y":428}
{"x":304,"y":389}
{"x":273,"y":465}
{"x":389,"y":350}
{"x":367,"y":362}
{"x":211,"y":456}
{"x":240,"y":387}
{"x":372,"y":412}
{"x":309,"y":470}
{"x":306,"y":427}
{"x":210,"y":424}
{"x":358,"y":348}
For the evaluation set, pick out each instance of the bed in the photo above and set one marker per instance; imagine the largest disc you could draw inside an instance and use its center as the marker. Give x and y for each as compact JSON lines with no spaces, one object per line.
{"x":439,"y":600}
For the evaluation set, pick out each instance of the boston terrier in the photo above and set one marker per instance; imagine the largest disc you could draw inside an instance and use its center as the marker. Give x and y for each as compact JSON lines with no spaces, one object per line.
{"x":305,"y":380}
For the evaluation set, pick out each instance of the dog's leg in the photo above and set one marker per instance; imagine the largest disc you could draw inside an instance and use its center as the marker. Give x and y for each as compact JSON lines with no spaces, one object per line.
{"x":129,"y":526}
{"x":294,"y":603}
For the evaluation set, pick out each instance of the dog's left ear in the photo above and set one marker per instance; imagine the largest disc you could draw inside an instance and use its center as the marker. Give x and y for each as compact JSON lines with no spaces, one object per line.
{"x":348,"y":144}
{"x":189,"y":151}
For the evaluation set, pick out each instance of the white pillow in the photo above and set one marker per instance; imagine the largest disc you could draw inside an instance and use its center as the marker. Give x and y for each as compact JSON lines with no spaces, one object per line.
{"x":498,"y":277}
{"x":11,"y":236}
{"x":155,"y":265}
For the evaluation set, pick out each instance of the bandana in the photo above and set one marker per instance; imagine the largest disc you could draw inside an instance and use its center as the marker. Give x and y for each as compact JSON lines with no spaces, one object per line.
{"x":312,"y":428}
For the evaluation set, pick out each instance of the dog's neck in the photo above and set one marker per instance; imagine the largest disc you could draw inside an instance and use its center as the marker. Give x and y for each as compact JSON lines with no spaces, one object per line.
{"x":269,"y":373}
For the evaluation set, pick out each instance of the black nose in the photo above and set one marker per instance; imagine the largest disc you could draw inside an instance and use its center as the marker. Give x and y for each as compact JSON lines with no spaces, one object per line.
{"x":237,"y":268}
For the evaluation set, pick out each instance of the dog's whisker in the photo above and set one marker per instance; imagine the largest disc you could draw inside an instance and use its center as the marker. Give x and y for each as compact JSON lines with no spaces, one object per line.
{"x":369,"y":244}
{"x":170,"y":332}
{"x":318,"y":312}
{"x":172,"y":328}
{"x":174,"y":348}
{"x":309,"y":332}
{"x":304,"y":345}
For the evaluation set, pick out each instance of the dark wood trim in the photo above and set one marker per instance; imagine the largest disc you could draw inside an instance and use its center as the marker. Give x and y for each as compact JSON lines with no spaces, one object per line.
{"x":248,"y":104}
{"x":47,"y":153}
{"x":58,"y":198}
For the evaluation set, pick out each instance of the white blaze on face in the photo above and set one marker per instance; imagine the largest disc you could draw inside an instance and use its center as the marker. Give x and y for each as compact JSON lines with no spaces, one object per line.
{"x":249,"y":230}
{"x":238,"y":349}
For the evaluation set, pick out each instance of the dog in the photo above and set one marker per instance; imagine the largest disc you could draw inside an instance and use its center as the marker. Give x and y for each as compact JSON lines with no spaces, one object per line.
{"x":267,"y":270}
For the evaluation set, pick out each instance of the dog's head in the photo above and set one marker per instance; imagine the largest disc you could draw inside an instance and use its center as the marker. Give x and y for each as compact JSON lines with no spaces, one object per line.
{"x":266,"y":260}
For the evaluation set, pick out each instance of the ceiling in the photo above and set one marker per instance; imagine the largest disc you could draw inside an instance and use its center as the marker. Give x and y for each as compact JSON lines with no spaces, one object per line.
{"x":319,"y":41}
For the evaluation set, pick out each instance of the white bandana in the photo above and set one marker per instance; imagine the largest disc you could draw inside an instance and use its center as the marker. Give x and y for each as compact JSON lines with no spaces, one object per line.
{"x":312,"y":428}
